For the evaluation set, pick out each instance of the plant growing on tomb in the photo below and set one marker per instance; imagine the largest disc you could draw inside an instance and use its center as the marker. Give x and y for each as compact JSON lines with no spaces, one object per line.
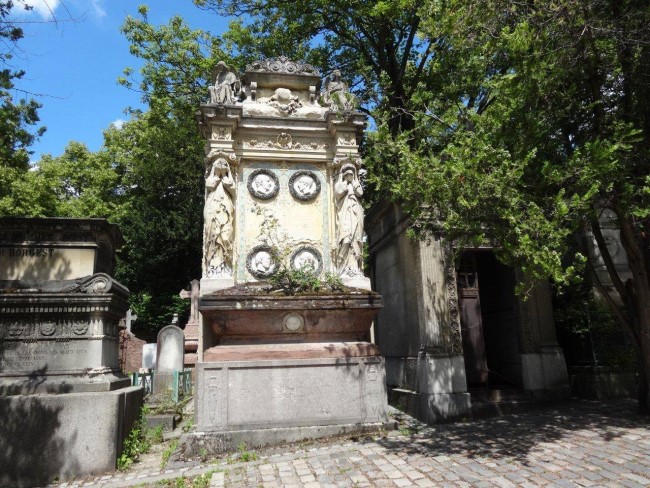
{"x":167,"y":453}
{"x":135,"y":444}
{"x":286,"y":279}
{"x":244,"y":455}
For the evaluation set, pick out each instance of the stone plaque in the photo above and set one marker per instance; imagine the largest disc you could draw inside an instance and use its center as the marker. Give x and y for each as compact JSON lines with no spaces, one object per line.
{"x":53,"y":356}
{"x":45,"y":263}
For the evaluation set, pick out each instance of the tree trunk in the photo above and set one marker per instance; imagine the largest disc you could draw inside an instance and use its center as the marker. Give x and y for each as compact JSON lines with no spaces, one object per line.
{"x":638,"y":302}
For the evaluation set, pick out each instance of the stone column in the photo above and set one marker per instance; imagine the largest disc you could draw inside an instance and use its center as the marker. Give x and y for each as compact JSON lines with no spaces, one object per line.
{"x":441,"y":384}
{"x":419,"y":328}
{"x":544,"y":369}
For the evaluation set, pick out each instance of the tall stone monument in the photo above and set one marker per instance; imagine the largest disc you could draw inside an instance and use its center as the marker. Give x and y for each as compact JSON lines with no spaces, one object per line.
{"x":66,"y":407}
{"x":282,"y":192}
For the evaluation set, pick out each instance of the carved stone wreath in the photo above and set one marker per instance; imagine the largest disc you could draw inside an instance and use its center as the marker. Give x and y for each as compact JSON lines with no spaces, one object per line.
{"x":260,"y":262}
{"x":304,"y":185}
{"x":307,"y":257}
{"x":263,"y":184}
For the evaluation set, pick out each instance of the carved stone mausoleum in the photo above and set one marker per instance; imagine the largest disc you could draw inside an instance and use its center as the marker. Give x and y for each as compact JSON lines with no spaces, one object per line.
{"x":454,"y":334}
{"x":283,"y":192}
{"x":66,"y":407}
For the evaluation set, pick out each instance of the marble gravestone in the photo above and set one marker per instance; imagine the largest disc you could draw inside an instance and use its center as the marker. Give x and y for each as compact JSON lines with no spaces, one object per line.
{"x":149,"y":356}
{"x":282,"y":190}
{"x":169,"y":356}
{"x":62,"y":394}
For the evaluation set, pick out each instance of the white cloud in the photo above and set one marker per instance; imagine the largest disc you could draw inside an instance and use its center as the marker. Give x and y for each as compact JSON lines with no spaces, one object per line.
{"x":98,"y":8}
{"x":118,"y":123}
{"x":44,"y":8}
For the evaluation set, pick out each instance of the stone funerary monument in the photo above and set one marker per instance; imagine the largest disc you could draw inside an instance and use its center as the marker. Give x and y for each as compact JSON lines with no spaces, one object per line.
{"x":282,"y":191}
{"x":66,"y":407}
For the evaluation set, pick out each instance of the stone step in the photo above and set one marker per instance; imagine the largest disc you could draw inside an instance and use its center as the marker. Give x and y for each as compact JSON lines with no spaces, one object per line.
{"x":497,"y":402}
{"x":499,"y":394}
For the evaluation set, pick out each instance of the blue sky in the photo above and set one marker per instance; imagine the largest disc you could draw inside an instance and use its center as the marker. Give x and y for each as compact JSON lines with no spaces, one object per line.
{"x":75,"y":64}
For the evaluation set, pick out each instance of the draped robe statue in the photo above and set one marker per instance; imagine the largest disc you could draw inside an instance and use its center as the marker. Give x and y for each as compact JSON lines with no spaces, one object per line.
{"x":218,"y":214}
{"x":349,"y":220}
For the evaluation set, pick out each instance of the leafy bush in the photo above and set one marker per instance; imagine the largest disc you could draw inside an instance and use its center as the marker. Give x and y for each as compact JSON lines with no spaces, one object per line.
{"x":137,"y":443}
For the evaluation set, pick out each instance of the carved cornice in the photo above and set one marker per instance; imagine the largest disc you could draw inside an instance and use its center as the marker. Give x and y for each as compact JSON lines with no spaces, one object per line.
{"x":283,"y":141}
{"x":282,"y":65}
{"x":96,"y":284}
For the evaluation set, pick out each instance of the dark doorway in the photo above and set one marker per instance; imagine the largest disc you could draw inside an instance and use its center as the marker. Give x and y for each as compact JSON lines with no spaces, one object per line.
{"x":489,"y":321}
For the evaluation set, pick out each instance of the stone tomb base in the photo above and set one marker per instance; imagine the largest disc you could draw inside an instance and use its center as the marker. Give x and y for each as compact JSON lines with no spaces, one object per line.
{"x":44,"y":437}
{"x":263,"y":402}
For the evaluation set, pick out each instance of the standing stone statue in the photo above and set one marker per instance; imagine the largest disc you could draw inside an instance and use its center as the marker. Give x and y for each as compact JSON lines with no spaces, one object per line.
{"x":227,"y":87}
{"x":219,"y":216}
{"x":349,"y":218}
{"x":337,"y":95}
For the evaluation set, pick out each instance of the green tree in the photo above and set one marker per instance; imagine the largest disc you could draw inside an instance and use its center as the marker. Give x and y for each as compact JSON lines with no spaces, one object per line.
{"x":375,"y":44}
{"x":163,"y":153}
{"x":16,"y":116}
{"x":538,"y":119}
{"x":79,"y":183}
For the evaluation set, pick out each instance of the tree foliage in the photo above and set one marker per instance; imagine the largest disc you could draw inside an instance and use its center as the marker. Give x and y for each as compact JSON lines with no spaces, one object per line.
{"x":537,"y":121}
{"x":17,"y":116}
{"x":374,"y":44}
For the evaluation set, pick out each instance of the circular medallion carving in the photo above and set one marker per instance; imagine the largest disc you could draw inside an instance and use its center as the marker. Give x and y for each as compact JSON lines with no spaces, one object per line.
{"x":80,"y":327}
{"x":307,"y":258}
{"x":294,"y":322}
{"x":263,"y":184}
{"x":48,"y":328}
{"x":16,"y":328}
{"x":304,"y":185}
{"x":260,"y":262}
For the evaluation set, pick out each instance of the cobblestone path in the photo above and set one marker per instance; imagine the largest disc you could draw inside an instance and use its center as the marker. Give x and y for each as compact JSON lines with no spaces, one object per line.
{"x":578,"y":444}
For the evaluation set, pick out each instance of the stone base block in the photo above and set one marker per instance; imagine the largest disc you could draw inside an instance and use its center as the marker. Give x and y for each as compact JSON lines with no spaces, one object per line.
{"x":65,"y":436}
{"x":190,"y":359}
{"x":431,"y":408}
{"x":217,"y":443}
{"x":267,"y":394}
{"x":208,"y":285}
{"x":545,"y":374}
{"x":599,"y":384}
{"x":357,"y":282}
{"x":166,"y":420}
{"x":52,"y":383}
{"x":162,"y":383}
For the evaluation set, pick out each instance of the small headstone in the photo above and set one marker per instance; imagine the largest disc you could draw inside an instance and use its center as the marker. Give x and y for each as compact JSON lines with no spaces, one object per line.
{"x":169,"y":356}
{"x":149,"y":356}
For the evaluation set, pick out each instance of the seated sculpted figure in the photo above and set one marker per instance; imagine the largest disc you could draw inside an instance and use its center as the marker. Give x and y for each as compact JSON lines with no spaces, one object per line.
{"x":227,"y":87}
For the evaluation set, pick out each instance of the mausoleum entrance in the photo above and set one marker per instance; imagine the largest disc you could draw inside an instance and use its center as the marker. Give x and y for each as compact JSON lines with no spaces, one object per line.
{"x":490,"y":322}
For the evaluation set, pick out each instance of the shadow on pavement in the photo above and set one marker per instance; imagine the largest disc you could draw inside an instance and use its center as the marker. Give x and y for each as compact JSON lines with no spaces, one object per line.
{"x":515,"y":436}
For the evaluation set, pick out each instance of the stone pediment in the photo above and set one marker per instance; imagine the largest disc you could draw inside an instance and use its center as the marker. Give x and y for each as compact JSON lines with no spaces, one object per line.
{"x":283,"y":65}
